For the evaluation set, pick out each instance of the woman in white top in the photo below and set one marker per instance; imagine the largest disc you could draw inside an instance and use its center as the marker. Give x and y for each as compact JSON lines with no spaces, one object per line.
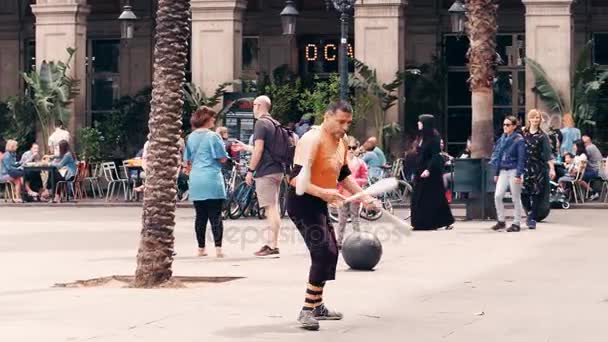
{"x":579,"y":159}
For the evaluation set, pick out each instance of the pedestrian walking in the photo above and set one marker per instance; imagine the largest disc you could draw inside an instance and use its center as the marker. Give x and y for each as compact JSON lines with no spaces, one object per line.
{"x":539,"y":168}
{"x":351,"y":210}
{"x":328,"y":167}
{"x":430,"y":209}
{"x":268,"y":143}
{"x":508,"y":159}
{"x":206,"y":153}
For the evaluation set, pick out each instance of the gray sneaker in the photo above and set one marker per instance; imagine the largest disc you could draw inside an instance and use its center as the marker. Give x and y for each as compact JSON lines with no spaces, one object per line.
{"x":307,"y":320}
{"x":322,"y":313}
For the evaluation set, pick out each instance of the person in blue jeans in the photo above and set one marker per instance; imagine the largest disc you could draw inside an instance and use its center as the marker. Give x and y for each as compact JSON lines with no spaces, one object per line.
{"x":509,"y":158}
{"x":65,"y":170}
{"x":206,"y":152}
{"x":10,"y":170}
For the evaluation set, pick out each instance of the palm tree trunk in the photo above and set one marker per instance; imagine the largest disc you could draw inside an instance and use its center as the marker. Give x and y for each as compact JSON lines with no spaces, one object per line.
{"x":481,"y":28}
{"x":155,"y":255}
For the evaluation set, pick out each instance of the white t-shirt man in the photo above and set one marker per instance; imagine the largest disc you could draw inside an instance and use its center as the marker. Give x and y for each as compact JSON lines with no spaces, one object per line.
{"x":55,"y":138}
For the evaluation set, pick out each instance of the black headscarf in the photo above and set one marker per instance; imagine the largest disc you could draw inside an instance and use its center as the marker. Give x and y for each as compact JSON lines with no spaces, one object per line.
{"x":428,"y":125}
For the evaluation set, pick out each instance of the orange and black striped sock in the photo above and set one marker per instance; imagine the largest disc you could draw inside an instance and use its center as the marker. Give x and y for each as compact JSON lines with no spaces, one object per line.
{"x":314,"y":296}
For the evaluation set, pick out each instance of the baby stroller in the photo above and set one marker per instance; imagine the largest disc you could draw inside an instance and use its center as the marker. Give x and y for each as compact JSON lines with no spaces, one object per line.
{"x":558,"y":196}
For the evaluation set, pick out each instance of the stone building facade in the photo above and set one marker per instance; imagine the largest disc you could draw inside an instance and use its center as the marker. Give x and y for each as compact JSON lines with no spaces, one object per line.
{"x":234,"y":39}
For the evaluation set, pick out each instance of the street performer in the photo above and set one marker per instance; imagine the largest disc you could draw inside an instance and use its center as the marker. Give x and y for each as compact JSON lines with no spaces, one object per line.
{"x":328,"y":165}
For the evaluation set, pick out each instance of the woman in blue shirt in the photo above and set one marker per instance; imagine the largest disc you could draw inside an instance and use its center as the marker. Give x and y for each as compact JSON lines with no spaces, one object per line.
{"x":570,"y":134}
{"x":206,"y":153}
{"x":9,"y":169}
{"x":65,"y":169}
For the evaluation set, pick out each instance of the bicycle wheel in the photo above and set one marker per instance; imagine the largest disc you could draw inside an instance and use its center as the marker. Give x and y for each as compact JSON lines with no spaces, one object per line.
{"x":403,"y":193}
{"x":333,"y":214}
{"x":235,"y":208}
{"x":283,"y":198}
{"x":226,"y":208}
{"x":261,"y":211}
{"x":370,"y":214}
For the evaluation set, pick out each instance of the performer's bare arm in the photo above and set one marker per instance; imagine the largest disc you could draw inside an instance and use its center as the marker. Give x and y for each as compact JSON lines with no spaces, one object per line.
{"x":328,"y":195}
{"x":350,"y":184}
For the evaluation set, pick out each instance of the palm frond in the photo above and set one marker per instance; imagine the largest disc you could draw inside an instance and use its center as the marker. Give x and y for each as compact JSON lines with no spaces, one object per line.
{"x":544,"y":89}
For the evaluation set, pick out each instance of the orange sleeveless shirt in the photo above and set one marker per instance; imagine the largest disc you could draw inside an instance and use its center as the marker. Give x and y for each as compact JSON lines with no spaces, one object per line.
{"x":330,"y":156}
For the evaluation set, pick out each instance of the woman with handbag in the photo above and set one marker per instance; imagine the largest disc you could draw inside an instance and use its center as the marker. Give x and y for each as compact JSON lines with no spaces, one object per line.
{"x":65,"y":170}
{"x":10,"y":170}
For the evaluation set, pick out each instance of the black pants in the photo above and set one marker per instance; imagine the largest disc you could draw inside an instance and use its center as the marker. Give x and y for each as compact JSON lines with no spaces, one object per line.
{"x":209,"y":210}
{"x":310,"y":216}
{"x":57,"y":177}
{"x":34,"y":180}
{"x":532,"y":202}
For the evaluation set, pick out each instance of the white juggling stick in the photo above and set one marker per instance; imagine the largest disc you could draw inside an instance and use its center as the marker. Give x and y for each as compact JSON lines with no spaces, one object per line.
{"x":380,"y":187}
{"x":398,"y":223}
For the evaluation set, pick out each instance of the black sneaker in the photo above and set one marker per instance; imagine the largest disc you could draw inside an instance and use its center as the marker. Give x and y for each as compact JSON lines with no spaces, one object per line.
{"x":267,"y":252}
{"x":322,"y":313}
{"x":514,"y":228}
{"x":499,"y":225}
{"x":307,"y":320}
{"x":531,"y":223}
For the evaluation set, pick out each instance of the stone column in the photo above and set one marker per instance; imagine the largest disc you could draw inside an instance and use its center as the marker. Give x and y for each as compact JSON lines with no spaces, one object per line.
{"x":10,"y":55}
{"x":62,"y":24}
{"x":217,"y":39}
{"x":380,"y":43}
{"x":549,"y":34}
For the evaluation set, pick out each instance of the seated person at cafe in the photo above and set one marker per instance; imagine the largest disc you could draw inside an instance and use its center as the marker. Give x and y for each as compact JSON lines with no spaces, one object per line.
{"x":447,"y":165}
{"x":10,"y":170}
{"x":32,"y":179}
{"x":142,"y":174}
{"x":65,"y":170}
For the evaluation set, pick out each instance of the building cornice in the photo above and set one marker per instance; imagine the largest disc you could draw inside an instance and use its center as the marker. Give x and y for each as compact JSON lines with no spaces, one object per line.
{"x":548,"y":8}
{"x":218,"y":10}
{"x":52,"y":14}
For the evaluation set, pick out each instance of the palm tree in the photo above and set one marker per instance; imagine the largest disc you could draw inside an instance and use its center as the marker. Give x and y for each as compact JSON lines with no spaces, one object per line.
{"x":481,"y":28}
{"x":155,"y":255}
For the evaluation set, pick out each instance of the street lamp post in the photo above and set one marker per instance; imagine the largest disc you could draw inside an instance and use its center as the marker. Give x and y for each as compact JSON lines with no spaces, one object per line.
{"x":127,"y":22}
{"x":344,"y":7}
{"x":457,"y":17}
{"x":289,"y":16}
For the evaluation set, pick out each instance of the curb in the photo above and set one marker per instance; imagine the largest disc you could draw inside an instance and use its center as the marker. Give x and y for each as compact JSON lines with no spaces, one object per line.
{"x":593,"y":205}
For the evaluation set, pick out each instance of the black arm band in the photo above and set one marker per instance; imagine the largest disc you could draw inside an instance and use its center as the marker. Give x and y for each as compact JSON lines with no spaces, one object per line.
{"x":344,"y":172}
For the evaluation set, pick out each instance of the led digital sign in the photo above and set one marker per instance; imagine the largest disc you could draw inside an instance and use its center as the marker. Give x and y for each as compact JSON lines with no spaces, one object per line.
{"x":320,"y":55}
{"x":327,"y":52}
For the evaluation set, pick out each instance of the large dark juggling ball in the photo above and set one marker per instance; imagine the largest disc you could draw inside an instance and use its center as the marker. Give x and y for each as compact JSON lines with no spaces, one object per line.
{"x":362,"y":251}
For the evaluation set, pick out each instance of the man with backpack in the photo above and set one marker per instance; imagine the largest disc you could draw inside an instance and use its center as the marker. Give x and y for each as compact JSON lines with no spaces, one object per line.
{"x":273,"y":149}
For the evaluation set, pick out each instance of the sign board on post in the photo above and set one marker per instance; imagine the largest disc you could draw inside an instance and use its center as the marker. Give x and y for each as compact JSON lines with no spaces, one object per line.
{"x":238,"y":115}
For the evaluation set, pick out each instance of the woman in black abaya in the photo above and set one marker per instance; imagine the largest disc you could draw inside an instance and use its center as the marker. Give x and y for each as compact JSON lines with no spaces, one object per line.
{"x":430,"y":209}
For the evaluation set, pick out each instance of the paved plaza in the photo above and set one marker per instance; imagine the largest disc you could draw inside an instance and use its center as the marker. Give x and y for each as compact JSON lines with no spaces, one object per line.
{"x":468,"y":284}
